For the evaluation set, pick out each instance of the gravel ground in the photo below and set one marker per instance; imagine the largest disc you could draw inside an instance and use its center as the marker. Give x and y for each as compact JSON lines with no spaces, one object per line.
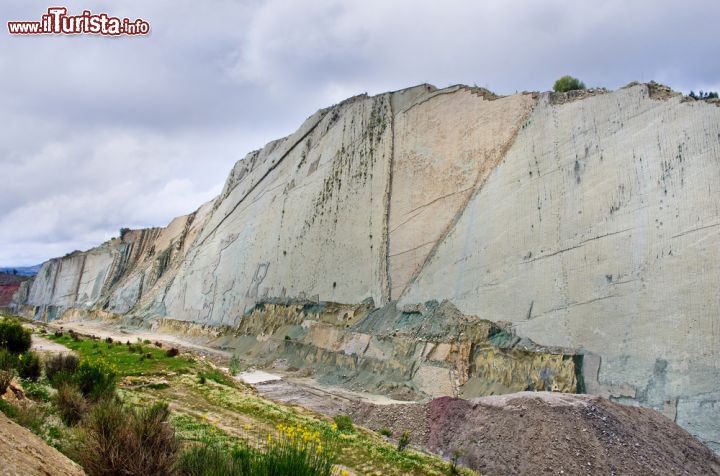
{"x":541,"y":433}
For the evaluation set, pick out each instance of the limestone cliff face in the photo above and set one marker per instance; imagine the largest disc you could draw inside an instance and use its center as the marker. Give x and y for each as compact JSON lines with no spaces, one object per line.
{"x":589,"y":223}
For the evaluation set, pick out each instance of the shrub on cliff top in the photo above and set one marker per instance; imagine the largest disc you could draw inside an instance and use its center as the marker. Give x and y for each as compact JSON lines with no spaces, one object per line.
{"x":568,"y":83}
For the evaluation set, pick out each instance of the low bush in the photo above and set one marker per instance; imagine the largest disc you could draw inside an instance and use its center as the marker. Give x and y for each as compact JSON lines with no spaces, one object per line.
{"x":172,"y":352}
{"x":234,"y":367}
{"x":292,"y":451}
{"x":36,"y":391}
{"x":71,"y":404}
{"x":404,"y":441}
{"x":60,"y":363}
{"x":217,"y":376}
{"x":8,"y":409}
{"x":28,"y":366}
{"x":6,"y":377}
{"x":8,"y":361}
{"x":13,"y":336}
{"x":31,"y":417}
{"x":385,"y":431}
{"x":210,"y":458}
{"x":568,"y":83}
{"x":95,"y":379}
{"x":120,"y":440}
{"x":344,"y":423}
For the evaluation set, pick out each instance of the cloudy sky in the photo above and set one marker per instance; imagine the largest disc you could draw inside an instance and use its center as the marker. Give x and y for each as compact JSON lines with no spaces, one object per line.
{"x":97,"y":133}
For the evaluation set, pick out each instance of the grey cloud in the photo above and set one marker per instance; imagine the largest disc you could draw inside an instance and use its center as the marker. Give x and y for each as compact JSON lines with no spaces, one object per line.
{"x":100,"y":133}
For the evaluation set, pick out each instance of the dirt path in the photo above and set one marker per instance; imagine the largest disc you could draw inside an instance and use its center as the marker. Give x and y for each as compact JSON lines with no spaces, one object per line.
{"x":42,"y":345}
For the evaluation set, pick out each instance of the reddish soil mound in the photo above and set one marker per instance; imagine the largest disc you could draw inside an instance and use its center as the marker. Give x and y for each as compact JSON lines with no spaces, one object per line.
{"x":9,"y":283}
{"x":545,"y":433}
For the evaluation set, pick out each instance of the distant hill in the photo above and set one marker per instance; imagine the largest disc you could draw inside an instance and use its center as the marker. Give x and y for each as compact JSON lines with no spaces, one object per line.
{"x":22,"y":270}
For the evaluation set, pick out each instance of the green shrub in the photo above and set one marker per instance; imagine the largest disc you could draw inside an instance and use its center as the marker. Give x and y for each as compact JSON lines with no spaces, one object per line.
{"x":36,"y":391}
{"x":217,"y":376}
{"x":61,"y":363}
{"x":293,"y":451}
{"x":568,"y":83}
{"x":8,"y":409}
{"x":95,"y":379}
{"x":344,"y":423}
{"x":8,"y":361}
{"x":703,"y":96}
{"x":13,"y":336}
{"x":118,"y":440}
{"x":6,"y":377}
{"x":71,"y":404}
{"x":28,"y":366}
{"x":454,"y":468}
{"x":385,"y":431}
{"x":211,"y":459}
{"x":234,"y":367}
{"x":31,"y":417}
{"x":404,"y":441}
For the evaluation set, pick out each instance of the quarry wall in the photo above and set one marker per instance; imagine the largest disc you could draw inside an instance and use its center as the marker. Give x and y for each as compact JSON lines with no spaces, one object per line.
{"x":588,"y":222}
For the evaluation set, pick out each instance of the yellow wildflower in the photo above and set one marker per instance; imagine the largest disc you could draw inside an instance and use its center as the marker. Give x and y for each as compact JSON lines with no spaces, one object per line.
{"x":333,"y":427}
{"x":319,"y":449}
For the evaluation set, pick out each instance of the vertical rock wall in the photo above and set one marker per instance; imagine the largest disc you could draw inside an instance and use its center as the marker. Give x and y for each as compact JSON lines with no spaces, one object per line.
{"x":587,"y":220}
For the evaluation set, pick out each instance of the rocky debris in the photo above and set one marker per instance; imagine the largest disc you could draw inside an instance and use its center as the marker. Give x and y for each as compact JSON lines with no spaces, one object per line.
{"x":660,"y":91}
{"x":546,"y":433}
{"x":556,"y":98}
{"x":23,"y":453}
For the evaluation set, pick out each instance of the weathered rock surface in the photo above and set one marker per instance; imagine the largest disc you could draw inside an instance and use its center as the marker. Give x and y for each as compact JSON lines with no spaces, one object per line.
{"x":23,"y":453}
{"x":587,"y":221}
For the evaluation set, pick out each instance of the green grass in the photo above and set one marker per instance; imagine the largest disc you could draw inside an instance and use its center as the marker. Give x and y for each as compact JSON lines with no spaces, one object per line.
{"x":247,"y":416}
{"x":128,"y":360}
{"x":361,"y":449}
{"x":217,"y":376}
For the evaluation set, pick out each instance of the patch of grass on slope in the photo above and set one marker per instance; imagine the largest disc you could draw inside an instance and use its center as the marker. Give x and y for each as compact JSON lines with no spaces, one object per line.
{"x":237,"y":413}
{"x":130,"y":360}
